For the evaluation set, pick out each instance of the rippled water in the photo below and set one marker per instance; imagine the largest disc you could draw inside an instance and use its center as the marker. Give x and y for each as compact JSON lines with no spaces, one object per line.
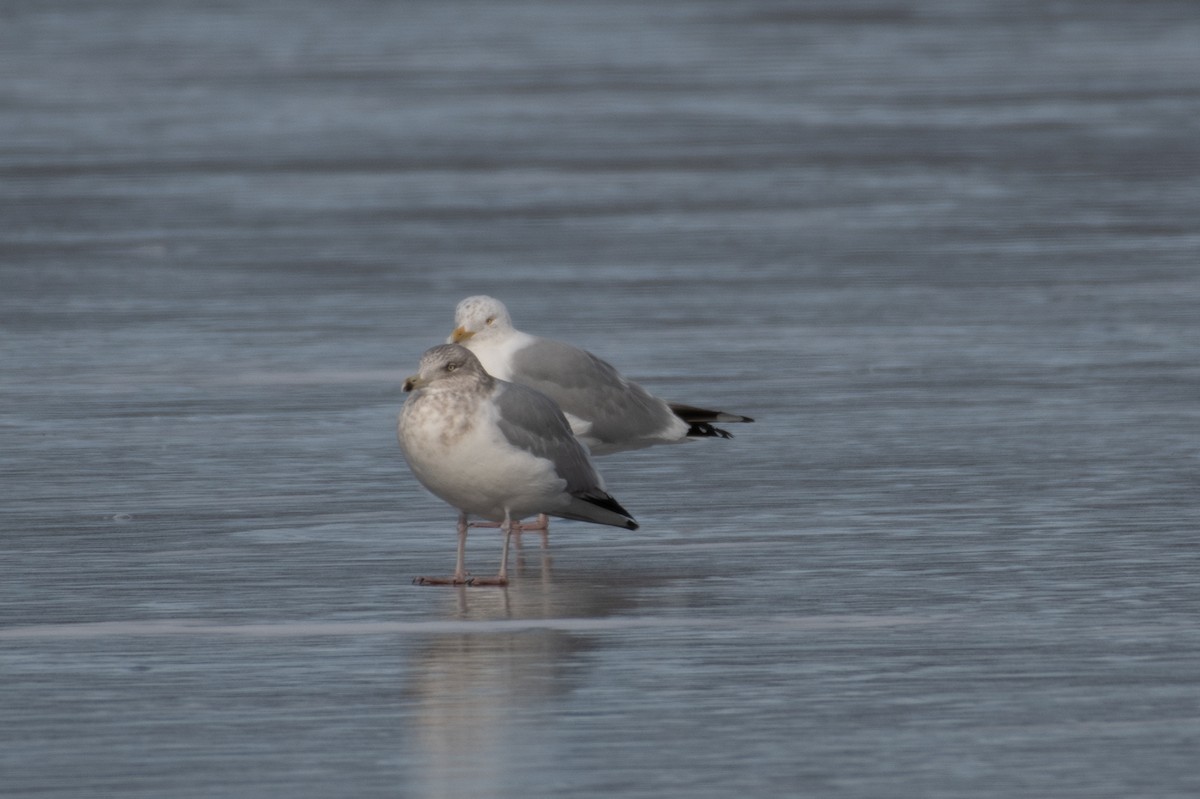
{"x":945,"y":253}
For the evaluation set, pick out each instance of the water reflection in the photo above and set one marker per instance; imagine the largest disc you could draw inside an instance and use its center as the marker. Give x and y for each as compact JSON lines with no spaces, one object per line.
{"x":475,"y":691}
{"x":469,"y":689}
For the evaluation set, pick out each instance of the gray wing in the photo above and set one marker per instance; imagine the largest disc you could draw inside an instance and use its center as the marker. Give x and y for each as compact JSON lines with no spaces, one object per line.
{"x":532,"y":422}
{"x":591,"y":389}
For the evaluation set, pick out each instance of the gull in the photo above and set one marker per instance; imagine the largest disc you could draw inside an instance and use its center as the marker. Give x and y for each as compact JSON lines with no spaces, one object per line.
{"x":608,"y":412}
{"x":492,"y":448}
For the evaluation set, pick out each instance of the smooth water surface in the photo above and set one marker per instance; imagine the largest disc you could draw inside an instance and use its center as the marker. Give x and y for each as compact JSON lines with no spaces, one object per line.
{"x":946,"y":253}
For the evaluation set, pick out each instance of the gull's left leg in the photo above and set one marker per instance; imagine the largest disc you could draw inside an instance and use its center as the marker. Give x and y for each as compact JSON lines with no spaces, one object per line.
{"x":460,"y":572}
{"x":502,"y":577}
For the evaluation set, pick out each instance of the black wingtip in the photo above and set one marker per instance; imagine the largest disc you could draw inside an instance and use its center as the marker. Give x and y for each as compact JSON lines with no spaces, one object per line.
{"x":706,"y":430}
{"x":702,"y":418}
{"x":606,"y":501}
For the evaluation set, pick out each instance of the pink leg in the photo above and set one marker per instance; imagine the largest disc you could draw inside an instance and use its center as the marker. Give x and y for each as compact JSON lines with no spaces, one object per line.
{"x":542,"y":523}
{"x":460,"y":573}
{"x":502,"y":577}
{"x":460,"y":576}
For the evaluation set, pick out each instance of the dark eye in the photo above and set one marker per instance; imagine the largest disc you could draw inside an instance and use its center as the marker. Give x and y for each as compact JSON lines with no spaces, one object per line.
{"x":491,"y":320}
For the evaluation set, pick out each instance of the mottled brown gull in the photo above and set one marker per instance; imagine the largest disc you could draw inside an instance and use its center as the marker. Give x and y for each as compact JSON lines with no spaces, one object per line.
{"x":495,"y":449}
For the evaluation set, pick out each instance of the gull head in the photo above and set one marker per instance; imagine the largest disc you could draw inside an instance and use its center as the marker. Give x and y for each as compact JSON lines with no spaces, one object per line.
{"x":448,"y":365}
{"x":480,"y":316}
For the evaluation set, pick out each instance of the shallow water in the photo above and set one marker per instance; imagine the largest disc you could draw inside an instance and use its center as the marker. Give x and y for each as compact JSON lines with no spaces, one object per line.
{"x":945,"y":253}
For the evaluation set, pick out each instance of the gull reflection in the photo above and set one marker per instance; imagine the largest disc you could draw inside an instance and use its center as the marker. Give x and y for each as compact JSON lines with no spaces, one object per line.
{"x":473,"y":692}
{"x":480,"y":693}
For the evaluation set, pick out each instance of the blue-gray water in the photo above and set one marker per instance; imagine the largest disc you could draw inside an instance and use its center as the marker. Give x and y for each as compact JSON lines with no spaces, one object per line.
{"x":946,"y":253}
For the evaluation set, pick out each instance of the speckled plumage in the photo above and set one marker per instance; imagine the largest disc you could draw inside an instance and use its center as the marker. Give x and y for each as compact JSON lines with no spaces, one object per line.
{"x":497,"y":450}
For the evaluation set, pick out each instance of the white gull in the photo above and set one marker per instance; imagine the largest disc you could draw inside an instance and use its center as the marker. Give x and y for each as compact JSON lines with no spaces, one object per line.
{"x":608,"y":412}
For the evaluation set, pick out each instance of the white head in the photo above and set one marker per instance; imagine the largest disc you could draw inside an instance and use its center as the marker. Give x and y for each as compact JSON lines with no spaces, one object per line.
{"x":480,"y":318}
